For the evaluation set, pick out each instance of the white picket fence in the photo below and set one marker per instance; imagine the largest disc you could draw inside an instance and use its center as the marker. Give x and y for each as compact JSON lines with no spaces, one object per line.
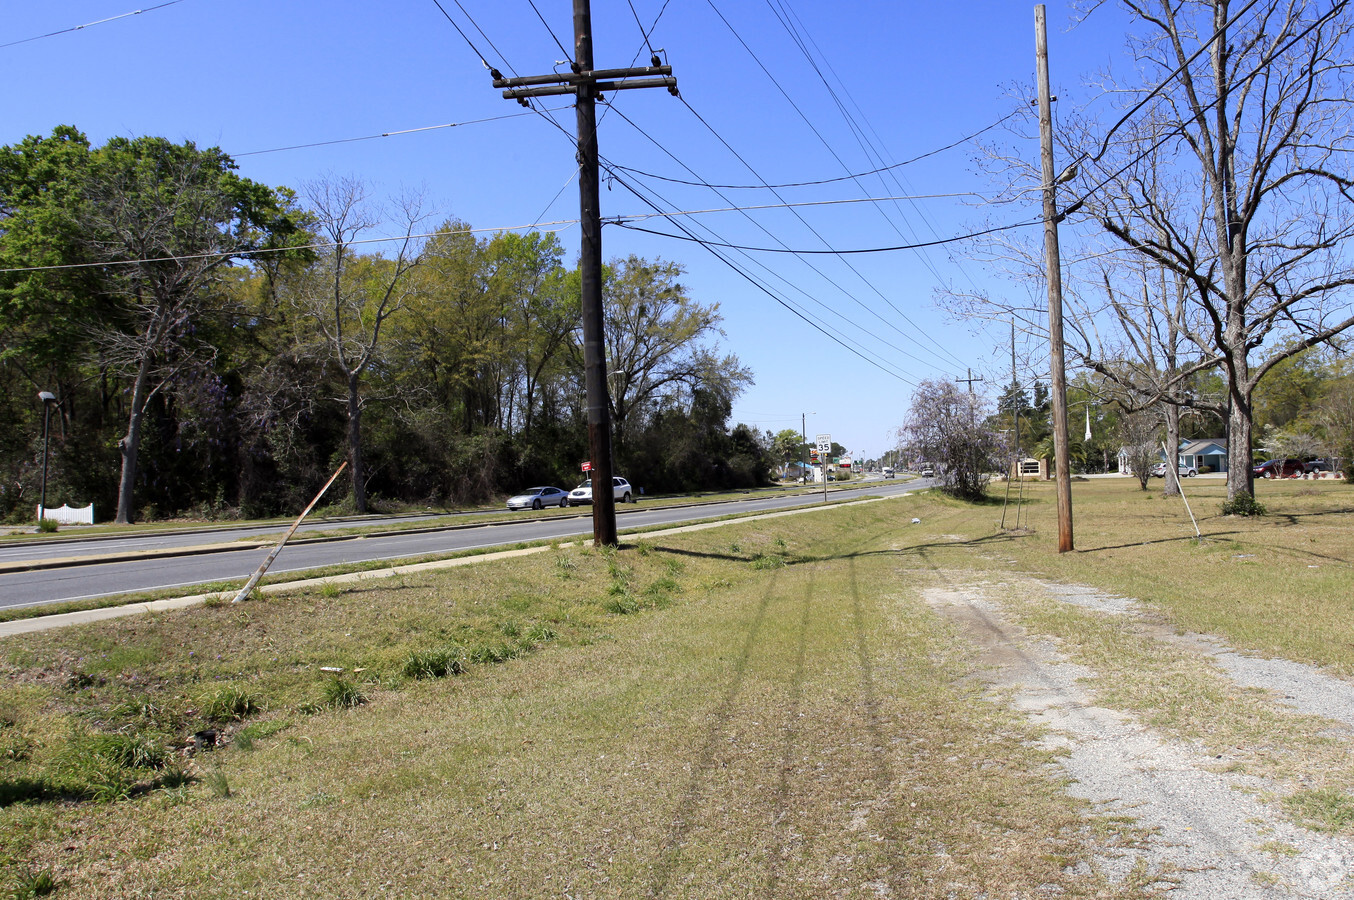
{"x":67,"y":515}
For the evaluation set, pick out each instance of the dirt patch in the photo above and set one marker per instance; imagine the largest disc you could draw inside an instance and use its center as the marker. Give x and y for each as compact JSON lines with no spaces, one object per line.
{"x":1210,"y":833}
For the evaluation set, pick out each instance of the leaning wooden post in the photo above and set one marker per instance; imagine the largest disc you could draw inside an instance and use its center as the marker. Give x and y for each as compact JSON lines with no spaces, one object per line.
{"x":254,"y":579}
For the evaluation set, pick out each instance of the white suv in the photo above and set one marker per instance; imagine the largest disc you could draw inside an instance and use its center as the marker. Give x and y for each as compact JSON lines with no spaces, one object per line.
{"x":620,"y":489}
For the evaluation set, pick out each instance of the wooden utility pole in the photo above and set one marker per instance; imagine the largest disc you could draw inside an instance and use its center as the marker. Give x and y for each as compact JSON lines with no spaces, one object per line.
{"x":1057,"y":366}
{"x":587,"y":85}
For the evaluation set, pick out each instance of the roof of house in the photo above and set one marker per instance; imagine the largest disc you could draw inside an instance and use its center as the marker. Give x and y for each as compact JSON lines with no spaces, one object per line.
{"x":1205,"y":446}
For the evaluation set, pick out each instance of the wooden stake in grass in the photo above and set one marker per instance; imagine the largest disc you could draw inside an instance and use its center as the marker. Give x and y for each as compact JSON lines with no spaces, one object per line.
{"x":254,"y":579}
{"x":1180,"y":487}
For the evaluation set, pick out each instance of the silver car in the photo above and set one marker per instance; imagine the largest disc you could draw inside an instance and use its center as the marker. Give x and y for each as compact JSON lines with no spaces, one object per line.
{"x":620,"y":489}
{"x":539,"y":498}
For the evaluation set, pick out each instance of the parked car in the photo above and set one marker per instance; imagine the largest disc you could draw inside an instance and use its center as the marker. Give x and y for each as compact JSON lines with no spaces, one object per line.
{"x":539,"y":498}
{"x":1279,"y":468}
{"x":1320,"y":464}
{"x":620,"y":489}
{"x":1159,"y":470}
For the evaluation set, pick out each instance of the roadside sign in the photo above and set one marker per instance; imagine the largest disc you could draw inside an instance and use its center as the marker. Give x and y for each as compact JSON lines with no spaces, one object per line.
{"x":824,"y":442}
{"x":587,"y":465}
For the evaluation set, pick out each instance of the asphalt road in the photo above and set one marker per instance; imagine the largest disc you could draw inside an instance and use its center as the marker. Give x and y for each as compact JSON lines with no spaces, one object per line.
{"x":169,"y":568}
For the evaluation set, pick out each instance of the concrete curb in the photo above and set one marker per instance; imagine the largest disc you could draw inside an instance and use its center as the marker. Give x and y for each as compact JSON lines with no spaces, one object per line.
{"x":85,"y":616}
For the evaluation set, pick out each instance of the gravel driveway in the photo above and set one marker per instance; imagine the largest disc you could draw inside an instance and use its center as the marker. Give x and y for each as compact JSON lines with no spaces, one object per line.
{"x":1211,"y":833}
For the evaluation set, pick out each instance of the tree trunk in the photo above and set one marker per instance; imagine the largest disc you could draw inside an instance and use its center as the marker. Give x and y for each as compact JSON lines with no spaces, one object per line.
{"x":356,"y":471}
{"x":1239,"y":477}
{"x":130,"y":443}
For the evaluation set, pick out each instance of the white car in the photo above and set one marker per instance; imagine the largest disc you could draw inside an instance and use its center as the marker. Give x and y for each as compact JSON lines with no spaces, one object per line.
{"x":1159,"y":470}
{"x":620,"y":489}
{"x":539,"y":498}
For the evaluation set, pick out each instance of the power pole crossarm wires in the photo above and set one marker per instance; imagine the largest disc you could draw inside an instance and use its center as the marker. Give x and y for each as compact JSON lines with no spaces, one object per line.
{"x":586,"y":84}
{"x":1057,"y":366}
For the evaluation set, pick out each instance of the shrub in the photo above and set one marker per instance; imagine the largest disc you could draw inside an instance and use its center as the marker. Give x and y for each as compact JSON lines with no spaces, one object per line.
{"x":47,"y":526}
{"x":1243,"y":504}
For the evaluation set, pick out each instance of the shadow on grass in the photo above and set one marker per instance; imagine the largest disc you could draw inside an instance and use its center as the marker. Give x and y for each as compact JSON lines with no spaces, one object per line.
{"x":800,"y":559}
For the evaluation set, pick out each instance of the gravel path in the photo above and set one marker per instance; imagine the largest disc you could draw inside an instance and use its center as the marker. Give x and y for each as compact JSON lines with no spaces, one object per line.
{"x":1212,"y":837}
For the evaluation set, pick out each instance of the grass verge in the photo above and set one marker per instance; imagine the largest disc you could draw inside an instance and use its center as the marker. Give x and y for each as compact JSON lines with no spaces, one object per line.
{"x":765,"y":708}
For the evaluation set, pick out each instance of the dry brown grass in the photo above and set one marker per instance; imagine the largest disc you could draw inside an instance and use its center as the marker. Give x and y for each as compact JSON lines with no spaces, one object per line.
{"x":763,"y":709}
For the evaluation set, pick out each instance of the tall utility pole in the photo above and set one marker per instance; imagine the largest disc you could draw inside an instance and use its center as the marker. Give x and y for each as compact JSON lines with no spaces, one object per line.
{"x":587,"y":85}
{"x":1053,"y":264}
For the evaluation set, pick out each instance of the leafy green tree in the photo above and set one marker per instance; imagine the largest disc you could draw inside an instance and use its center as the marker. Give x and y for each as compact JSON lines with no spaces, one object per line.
{"x":150,"y":224}
{"x":655,"y":334}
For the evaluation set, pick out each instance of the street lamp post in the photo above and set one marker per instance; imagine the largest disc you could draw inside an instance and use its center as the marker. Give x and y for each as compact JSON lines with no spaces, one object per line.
{"x":48,"y":401}
{"x":803,"y":443}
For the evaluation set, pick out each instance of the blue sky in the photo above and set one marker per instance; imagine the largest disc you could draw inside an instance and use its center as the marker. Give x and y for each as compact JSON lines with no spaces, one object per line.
{"x":250,"y":76}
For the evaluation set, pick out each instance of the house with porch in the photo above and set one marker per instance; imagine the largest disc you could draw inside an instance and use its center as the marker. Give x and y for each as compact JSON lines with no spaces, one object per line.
{"x":1199,"y":453}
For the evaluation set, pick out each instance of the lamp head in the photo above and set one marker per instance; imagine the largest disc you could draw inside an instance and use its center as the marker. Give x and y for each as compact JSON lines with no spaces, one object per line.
{"x":46,"y":396}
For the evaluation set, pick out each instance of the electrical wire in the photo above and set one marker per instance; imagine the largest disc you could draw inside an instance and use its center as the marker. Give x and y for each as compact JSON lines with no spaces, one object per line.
{"x":831,"y":334}
{"x":765,"y":231}
{"x":837,"y":335}
{"x":135,"y":12}
{"x":822,"y":181}
{"x":384,"y":134}
{"x":904,"y":316}
{"x":802,"y":39}
{"x":567,"y":57}
{"x":635,"y":13}
{"x":936,"y":243}
{"x":319,"y":245}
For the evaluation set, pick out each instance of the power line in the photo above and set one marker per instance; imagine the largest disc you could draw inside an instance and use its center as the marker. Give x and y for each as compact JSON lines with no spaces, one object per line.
{"x":832,"y":333}
{"x":384,"y":134}
{"x":935,"y":243}
{"x":567,"y":57}
{"x":620,"y":220}
{"x":135,"y":12}
{"x":768,"y":233}
{"x":904,"y":316}
{"x":635,"y":13}
{"x":319,"y":245}
{"x":822,"y":181}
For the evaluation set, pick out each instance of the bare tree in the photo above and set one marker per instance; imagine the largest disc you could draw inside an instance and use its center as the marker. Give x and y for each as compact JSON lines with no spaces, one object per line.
{"x":1249,"y":135}
{"x":350,"y":297}
{"x":1138,"y":434}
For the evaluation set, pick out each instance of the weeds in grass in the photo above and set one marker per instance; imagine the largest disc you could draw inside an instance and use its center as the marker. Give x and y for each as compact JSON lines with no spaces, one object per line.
{"x":29,"y":883}
{"x":565,"y":565}
{"x":329,"y":590}
{"x":621,"y":605}
{"x":217,"y":783}
{"x":245,"y":737}
{"x":212,"y":601}
{"x":341,"y":693}
{"x":495,"y":652}
{"x":230,"y":704}
{"x":48,"y":526}
{"x":1322,"y":809}
{"x":436,"y":663}
{"x":540,"y":633}
{"x":762,"y":561}
{"x":319,"y":798}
